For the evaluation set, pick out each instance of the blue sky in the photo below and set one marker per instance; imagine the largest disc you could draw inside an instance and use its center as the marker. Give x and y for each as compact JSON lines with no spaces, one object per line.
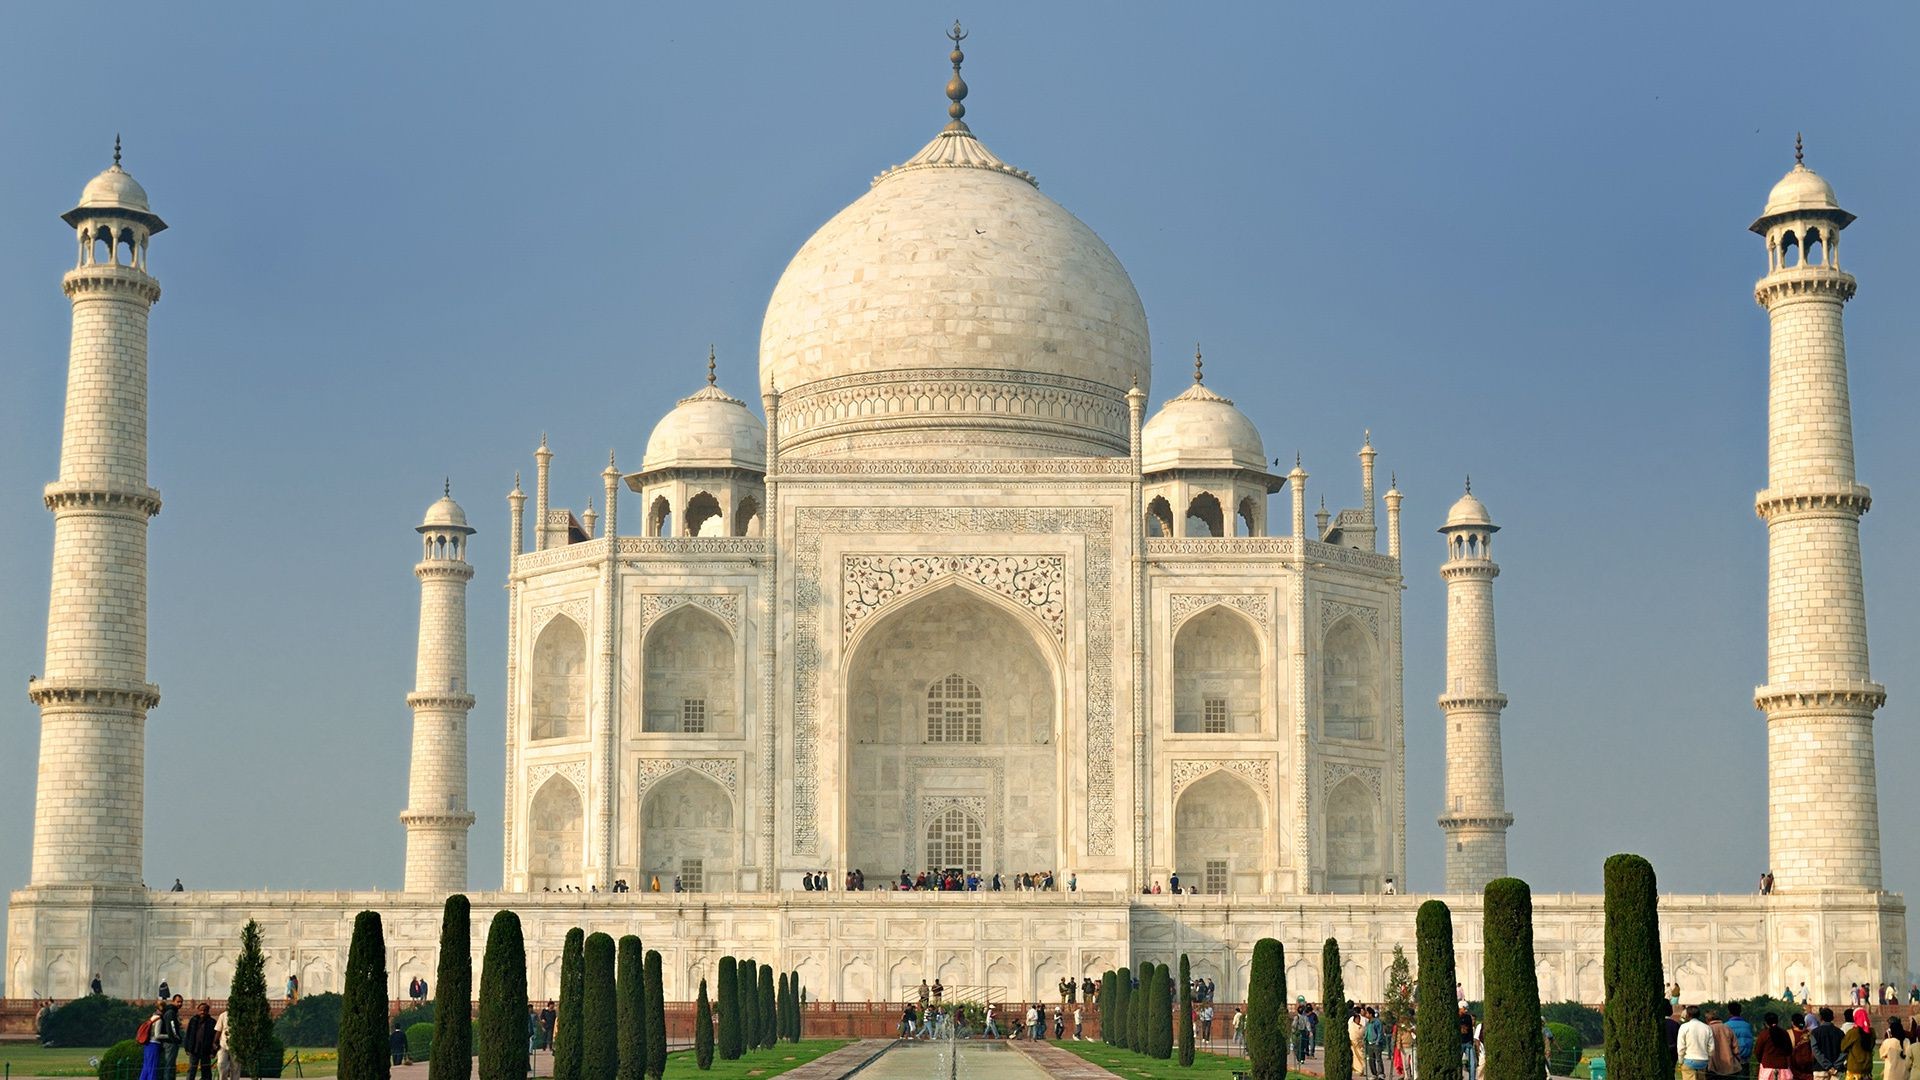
{"x":1509,"y":238}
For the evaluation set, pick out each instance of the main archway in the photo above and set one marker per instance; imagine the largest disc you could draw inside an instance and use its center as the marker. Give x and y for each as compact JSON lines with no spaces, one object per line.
{"x":952,"y":721}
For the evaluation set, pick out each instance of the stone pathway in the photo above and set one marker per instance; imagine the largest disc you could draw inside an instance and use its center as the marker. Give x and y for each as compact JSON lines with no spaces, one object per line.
{"x":1060,"y":1063}
{"x":842,"y":1062}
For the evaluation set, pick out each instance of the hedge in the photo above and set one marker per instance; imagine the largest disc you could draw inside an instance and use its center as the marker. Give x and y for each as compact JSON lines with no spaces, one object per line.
{"x":1183,"y":1023}
{"x":656,"y":1017}
{"x":121,"y":1061}
{"x":419,"y":1042}
{"x":1337,"y":1058}
{"x":566,"y":1027}
{"x":1267,"y":1010}
{"x":365,"y":1043}
{"x":1589,"y":1022}
{"x":729,"y":1009}
{"x":313,"y":1021}
{"x":94,"y":1020}
{"x":1511,"y":1029}
{"x":599,"y":1021}
{"x":630,"y":989}
{"x":703,"y":1029}
{"x":1566,"y":1048}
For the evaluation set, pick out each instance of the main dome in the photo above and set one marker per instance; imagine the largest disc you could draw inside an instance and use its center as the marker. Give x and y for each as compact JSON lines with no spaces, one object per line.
{"x":954,"y":310}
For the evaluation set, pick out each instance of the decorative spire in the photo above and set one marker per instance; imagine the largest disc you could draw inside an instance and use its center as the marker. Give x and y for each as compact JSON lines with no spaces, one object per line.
{"x":1366,"y":438}
{"x":446,"y":487}
{"x":956,"y":86}
{"x":1393,"y":481}
{"x":116,"y":149}
{"x":1296,"y":459}
{"x":1799,"y":150}
{"x":1198,"y":378}
{"x":1469,"y":483}
{"x":710,"y":364}
{"x":516,"y":480}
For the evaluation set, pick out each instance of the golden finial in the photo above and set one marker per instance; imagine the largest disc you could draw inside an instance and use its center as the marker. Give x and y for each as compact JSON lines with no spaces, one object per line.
{"x":1799,"y":151}
{"x":1197,"y":361}
{"x":710,"y":364}
{"x":116,"y":148}
{"x":956,"y":86}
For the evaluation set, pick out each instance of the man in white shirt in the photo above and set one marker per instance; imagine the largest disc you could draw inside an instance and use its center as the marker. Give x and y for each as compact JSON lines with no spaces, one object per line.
{"x":1696,"y":1046}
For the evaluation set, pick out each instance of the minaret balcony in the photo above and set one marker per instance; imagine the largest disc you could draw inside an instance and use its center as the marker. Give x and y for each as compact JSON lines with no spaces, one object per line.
{"x":1824,"y":695}
{"x":1803,"y":281}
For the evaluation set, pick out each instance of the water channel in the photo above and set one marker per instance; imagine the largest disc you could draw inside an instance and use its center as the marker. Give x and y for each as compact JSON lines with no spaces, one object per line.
{"x":947,"y":1060}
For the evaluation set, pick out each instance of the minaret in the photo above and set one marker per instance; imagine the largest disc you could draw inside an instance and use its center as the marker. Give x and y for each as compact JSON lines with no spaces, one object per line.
{"x":437,"y":817}
{"x":1368,"y":525}
{"x":93,"y":692}
{"x":1823,"y":823}
{"x":1392,"y":498}
{"x":1475,"y":818}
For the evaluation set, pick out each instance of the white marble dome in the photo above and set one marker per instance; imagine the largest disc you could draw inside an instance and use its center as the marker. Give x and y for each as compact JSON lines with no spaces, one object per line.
{"x":709,"y":429}
{"x":445,"y":514}
{"x":1467,"y":511}
{"x":954,"y":309}
{"x":1201,"y":430}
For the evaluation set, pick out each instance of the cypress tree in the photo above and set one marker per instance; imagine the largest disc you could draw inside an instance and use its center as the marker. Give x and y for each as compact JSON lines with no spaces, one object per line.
{"x":782,"y":1004}
{"x":363,"y":1004}
{"x":599,"y":1012}
{"x":702,"y":1029}
{"x":1336,"y":1059}
{"x":453,"y":995}
{"x":1266,"y":1006}
{"x":1635,"y":1047}
{"x":749,"y":998}
{"x":1122,"y":1008}
{"x":1183,"y":1017}
{"x":249,"y":1018}
{"x":768,"y":1023}
{"x":1160,"y":1008}
{"x":1109,"y":989}
{"x":629,"y":987}
{"x":656,"y":1018}
{"x":503,"y":1002}
{"x":1511,"y":1030}
{"x":799,"y":1005}
{"x":1139,"y":1034}
{"x":566,"y":1027}
{"x":1435,"y":1012}
{"x":729,"y":1009}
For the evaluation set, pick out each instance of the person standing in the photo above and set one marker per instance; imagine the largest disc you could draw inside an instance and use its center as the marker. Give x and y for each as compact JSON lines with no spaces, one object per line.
{"x":1302,"y":1033}
{"x":1896,"y":1052}
{"x":201,"y":1043}
{"x":94,"y":986}
{"x":1079,"y":1025}
{"x":1775,"y":1047}
{"x":1239,"y":1026}
{"x":170,"y":1035}
{"x":1206,"y":1024}
{"x":1724,"y":1063}
{"x":229,"y":1069}
{"x":1856,"y":1046}
{"x":548,"y":1014}
{"x":1828,"y":1060}
{"x":293,"y":989}
{"x":993,"y":1028}
{"x":397,"y":1044}
{"x":1357,"y":1042}
{"x":1695,"y":1046}
{"x":148,"y":1038}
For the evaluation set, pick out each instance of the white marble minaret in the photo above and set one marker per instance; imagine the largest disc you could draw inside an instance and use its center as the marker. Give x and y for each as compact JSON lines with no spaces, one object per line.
{"x":437,"y":817}
{"x":1475,"y":818}
{"x":93,"y":693}
{"x":1823,"y":818}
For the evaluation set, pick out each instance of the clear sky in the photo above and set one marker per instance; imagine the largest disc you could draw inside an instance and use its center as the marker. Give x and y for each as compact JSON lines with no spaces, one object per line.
{"x":1509,"y":238}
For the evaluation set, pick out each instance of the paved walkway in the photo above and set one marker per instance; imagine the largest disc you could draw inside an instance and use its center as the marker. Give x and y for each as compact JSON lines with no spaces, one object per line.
{"x":1060,"y":1063}
{"x":842,"y":1062}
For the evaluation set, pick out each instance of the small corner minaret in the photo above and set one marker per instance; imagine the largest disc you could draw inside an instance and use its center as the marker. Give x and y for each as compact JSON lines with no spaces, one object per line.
{"x":1392,"y":499}
{"x":437,"y":817}
{"x":1367,"y":528}
{"x":1475,"y":817}
{"x":1823,"y":821}
{"x":93,"y":693}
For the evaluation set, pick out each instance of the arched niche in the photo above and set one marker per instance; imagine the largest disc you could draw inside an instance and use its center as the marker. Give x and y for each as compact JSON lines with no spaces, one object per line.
{"x":687,"y":831}
{"x":704,"y":516}
{"x":1217,"y":832}
{"x":1349,"y":683}
{"x":558,"y":709}
{"x":556,"y":835}
{"x":933,"y":651}
{"x":692,"y":681}
{"x":747,"y":517}
{"x":1354,"y":845}
{"x":1216,"y":674}
{"x":1205,"y":516}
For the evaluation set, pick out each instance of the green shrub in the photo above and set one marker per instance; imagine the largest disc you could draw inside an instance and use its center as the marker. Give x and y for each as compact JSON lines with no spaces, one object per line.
{"x":1338,"y":1057}
{"x":1566,"y":1048}
{"x":503,"y":1001}
{"x":1511,"y":1026}
{"x":94,"y":1020}
{"x":1266,"y":1011}
{"x":1435,"y":1032}
{"x":419,"y":1042}
{"x":1139,"y":1019}
{"x":730,"y":1041}
{"x":250,"y":1036}
{"x":273,"y":1056}
{"x":313,"y":1021}
{"x":1636,"y":999}
{"x":406,"y":1018}
{"x":566,"y":1033}
{"x":655,"y":976}
{"x":1160,"y":1016}
{"x":121,"y":1061}
{"x":629,"y":987}
{"x":1122,"y":1009}
{"x":1587,"y":1021}
{"x":1182,"y":1024}
{"x":364,"y":1040}
{"x":453,"y":1028}
{"x":703,"y":1029}
{"x":749,"y":998}
{"x":599,"y":1013}
{"x":769,"y":1025}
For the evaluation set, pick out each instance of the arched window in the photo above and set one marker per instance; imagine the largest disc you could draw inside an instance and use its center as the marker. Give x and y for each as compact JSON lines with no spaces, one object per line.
{"x":953,"y":710}
{"x":1159,"y":517}
{"x":1349,"y":683}
{"x":559,"y":690}
{"x":690,"y":683}
{"x":1353,"y":839}
{"x":1216,"y":675}
{"x":556,"y":834}
{"x":746,"y":519}
{"x":703,"y":516}
{"x":953,"y":841}
{"x":1204,"y":516}
{"x":1248,"y":521}
{"x":660,"y":517}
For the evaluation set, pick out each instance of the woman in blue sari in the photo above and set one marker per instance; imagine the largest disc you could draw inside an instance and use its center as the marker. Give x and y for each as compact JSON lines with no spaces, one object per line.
{"x":150,"y":1050}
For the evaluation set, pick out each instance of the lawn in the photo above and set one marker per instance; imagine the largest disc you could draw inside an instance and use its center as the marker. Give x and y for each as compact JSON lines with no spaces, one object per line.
{"x":28,"y":1059}
{"x":755,"y":1062}
{"x":1129,"y":1064}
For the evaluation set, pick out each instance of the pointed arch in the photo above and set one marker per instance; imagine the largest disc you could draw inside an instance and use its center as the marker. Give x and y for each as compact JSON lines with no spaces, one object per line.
{"x":1250,"y":517}
{"x":746,"y":517}
{"x":1217,"y":832}
{"x":691,"y":681}
{"x":703,"y":516}
{"x":660,"y":517}
{"x":1216,"y":673}
{"x":686,"y":831}
{"x":1159,"y":517}
{"x":1354,"y":847}
{"x":1205,"y":516}
{"x":1350,"y":676}
{"x":556,"y":835}
{"x":955,"y":840}
{"x":558,"y":690}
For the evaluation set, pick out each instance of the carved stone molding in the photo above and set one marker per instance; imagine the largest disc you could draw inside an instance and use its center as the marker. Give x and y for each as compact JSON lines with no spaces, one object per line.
{"x":724,"y":771}
{"x":1256,"y":771}
{"x":580,"y":610}
{"x":1332,"y":772}
{"x":575,"y":770}
{"x":724,"y":605}
{"x":812,"y":524}
{"x":1254,"y":606}
{"x":1332,"y":611}
{"x":1035,"y":582}
{"x":999,"y":468}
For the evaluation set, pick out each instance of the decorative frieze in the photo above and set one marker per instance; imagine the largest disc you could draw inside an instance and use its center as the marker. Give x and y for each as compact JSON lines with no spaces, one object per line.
{"x":574,"y":770}
{"x":1256,"y":771}
{"x":1332,"y":611}
{"x":579,"y":609}
{"x":1035,"y":582}
{"x":1255,"y":606}
{"x":724,"y":605}
{"x":724,"y":771}
{"x":1332,"y":772}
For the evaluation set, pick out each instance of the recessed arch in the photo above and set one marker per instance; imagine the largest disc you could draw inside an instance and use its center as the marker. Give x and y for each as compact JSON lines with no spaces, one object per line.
{"x":1249,"y":517}
{"x":1159,"y":517}
{"x":660,"y":517}
{"x":558,"y":689}
{"x":703,"y":516}
{"x":1216,"y":673}
{"x":556,"y":835}
{"x":686,"y":832}
{"x":1349,"y":682}
{"x":747,"y":517}
{"x":1354,"y":845}
{"x":1205,"y":517}
{"x":690,"y":674}
{"x":1217,"y":832}
{"x":955,"y":840}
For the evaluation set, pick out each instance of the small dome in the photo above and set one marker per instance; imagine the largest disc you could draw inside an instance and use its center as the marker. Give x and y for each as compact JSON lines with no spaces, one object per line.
{"x":445,"y":514}
{"x":1801,"y":191}
{"x":1201,"y":430}
{"x":1468,"y":511}
{"x":710,"y":429}
{"x":115,"y":190}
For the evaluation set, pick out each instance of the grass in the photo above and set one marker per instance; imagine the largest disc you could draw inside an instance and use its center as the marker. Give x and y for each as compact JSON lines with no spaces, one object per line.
{"x":29,"y":1059}
{"x":755,"y":1063}
{"x":1129,"y":1064}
